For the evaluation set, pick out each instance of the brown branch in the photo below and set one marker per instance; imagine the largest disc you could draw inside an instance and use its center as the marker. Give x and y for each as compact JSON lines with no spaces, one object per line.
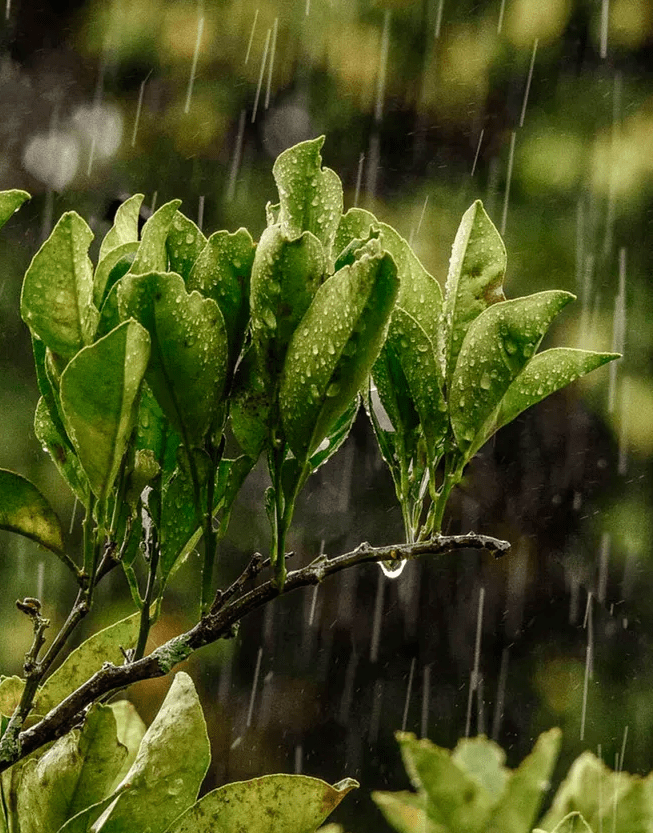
{"x":220,"y":624}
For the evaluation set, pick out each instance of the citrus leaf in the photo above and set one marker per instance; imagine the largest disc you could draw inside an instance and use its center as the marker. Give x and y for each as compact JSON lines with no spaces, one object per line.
{"x":84,"y":661}
{"x":130,"y":730}
{"x":10,"y":202}
{"x":99,"y":399}
{"x":335,"y":437}
{"x":184,"y":243}
{"x":83,"y":822}
{"x":110,"y":269}
{"x":271,"y":804}
{"x":497,"y":346}
{"x":170,"y":766}
{"x":188,"y":360}
{"x":152,"y":255}
{"x":405,"y":812}
{"x":334,"y":347}
{"x":474,"y":281}
{"x":61,"y":451}
{"x":124,"y":228}
{"x":251,"y":404}
{"x":24,"y":510}
{"x":56,"y":299}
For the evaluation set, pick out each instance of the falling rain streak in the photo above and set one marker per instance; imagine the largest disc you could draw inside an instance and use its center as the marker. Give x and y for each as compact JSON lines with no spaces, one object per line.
{"x":359,"y":177}
{"x":426,"y":697}
{"x":200,"y":213}
{"x":618,"y":330}
{"x":506,"y":196}
{"x":251,"y":38}
{"x":409,"y":690}
{"x":415,"y":231}
{"x":589,"y":662}
{"x":252,"y":696}
{"x":235,"y":159}
{"x":474,"y":679}
{"x":502,"y":9}
{"x":605,"y":16}
{"x":528,"y":84}
{"x":438,"y":19}
{"x":139,"y":107}
{"x":193,"y":69}
{"x":478,"y":150}
{"x":501,"y":694}
{"x":273,"y":49}
{"x":376,"y":621}
{"x":260,"y":75}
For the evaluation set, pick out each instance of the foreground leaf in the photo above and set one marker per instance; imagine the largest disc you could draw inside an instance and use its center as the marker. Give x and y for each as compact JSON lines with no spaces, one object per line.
{"x":10,"y":202}
{"x":23,"y":509}
{"x":130,"y":730}
{"x":183,"y":244}
{"x":61,"y":451}
{"x":109,"y":271}
{"x":152,"y":255}
{"x":125,"y":226}
{"x":271,"y":804}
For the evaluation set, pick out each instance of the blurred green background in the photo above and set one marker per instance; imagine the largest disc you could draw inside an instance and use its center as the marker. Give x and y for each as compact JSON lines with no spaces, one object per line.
{"x":544,"y":110}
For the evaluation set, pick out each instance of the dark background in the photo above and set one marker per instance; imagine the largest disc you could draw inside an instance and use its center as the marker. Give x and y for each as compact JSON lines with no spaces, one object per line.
{"x":430,"y":96}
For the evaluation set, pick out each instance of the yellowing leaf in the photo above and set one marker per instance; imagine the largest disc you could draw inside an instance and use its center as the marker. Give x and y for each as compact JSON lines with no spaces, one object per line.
{"x":24,"y":510}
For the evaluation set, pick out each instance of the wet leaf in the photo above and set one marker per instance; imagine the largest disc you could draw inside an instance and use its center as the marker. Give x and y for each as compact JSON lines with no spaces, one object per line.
{"x":74,"y":773}
{"x":24,"y":510}
{"x":84,"y":822}
{"x":188,"y":360}
{"x":11,"y":690}
{"x":10,"y":202}
{"x":222,"y":272}
{"x":184,"y":243}
{"x":497,"y":346}
{"x":394,"y":392}
{"x":405,"y":812}
{"x":310,"y":197}
{"x":99,"y":399}
{"x":56,"y":299}
{"x":334,"y":347}
{"x":474,"y":282}
{"x":169,"y":768}
{"x":109,"y":271}
{"x":84,"y":661}
{"x":130,"y":731}
{"x":125,"y":226}
{"x":152,"y":255}
{"x":271,"y":804}
{"x":335,"y":437}
{"x":252,"y":398}
{"x":61,"y":451}
{"x":483,"y":760}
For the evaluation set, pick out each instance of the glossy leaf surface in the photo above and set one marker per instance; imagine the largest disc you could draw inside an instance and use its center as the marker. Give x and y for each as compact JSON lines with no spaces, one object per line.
{"x":10,"y":202}
{"x":61,"y":451}
{"x":125,"y":226}
{"x":184,"y":243}
{"x":23,"y":509}
{"x":109,"y":271}
{"x":152,"y":254}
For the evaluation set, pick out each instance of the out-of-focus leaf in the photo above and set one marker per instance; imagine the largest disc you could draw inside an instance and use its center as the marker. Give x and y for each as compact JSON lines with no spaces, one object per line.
{"x":124,"y":228}
{"x":483,"y":760}
{"x":111,"y":268}
{"x":184,"y":243}
{"x":61,"y":451}
{"x":334,"y":347}
{"x":10,"y":202}
{"x":474,"y":282}
{"x":152,"y":255}
{"x":83,"y":662}
{"x":405,"y":812}
{"x":56,"y":299}
{"x":188,"y":360}
{"x":271,"y":804}
{"x":11,"y":690}
{"x":24,"y":510}
{"x":573,"y":823}
{"x":99,"y":400}
{"x":497,"y":346}
{"x":169,"y":768}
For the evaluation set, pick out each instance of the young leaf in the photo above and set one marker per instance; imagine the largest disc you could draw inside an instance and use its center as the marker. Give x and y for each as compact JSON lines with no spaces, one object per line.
{"x":271,"y":804}
{"x":125,"y":226}
{"x":170,"y":766}
{"x":252,"y":398}
{"x":310,"y":197}
{"x":99,"y":400}
{"x":335,"y":437}
{"x":61,"y":451}
{"x":222,"y":271}
{"x":184,"y":243}
{"x":188,"y":361}
{"x":152,"y":255}
{"x":10,"y":202}
{"x":474,"y":282}
{"x":497,"y":346}
{"x":109,"y":271}
{"x":56,"y":299}
{"x":83,"y":662}
{"x":334,"y":347}
{"x":24,"y":510}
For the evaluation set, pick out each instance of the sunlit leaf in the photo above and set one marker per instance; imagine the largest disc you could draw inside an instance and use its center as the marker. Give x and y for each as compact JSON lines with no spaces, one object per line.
{"x":188,"y":360}
{"x":169,"y":768}
{"x":152,"y":255}
{"x":56,"y":300}
{"x":24,"y":510}
{"x":111,"y":268}
{"x":184,"y":243}
{"x":104,"y":646}
{"x":10,"y":202}
{"x":474,"y":282}
{"x":271,"y":804}
{"x":334,"y":347}
{"x":125,"y":226}
{"x":61,"y":451}
{"x":497,"y":346}
{"x":99,"y":399}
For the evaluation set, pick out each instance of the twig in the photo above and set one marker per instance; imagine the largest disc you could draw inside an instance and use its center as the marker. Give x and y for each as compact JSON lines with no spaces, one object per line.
{"x":220,"y":624}
{"x":252,"y":569}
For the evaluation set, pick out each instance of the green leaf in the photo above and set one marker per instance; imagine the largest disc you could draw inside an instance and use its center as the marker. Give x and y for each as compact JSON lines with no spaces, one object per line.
{"x":335,"y":437}
{"x":474,"y":282}
{"x":252,"y":398}
{"x":334,"y":347}
{"x":152,"y":255}
{"x":24,"y":510}
{"x":74,"y":773}
{"x":11,"y":690}
{"x":271,"y":804}
{"x":10,"y":202}
{"x":99,"y":399}
{"x":405,"y":812}
{"x":170,"y":766}
{"x":130,"y":731}
{"x":184,"y":243}
{"x":188,"y":360}
{"x":61,"y":451}
{"x":497,"y":346}
{"x":84,"y":822}
{"x":222,"y":272}
{"x":125,"y":226}
{"x":56,"y":300}
{"x":83,"y":662}
{"x":526,"y":787}
{"x":109,"y":271}
{"x":483,"y":760}
{"x":573,"y":823}
{"x":310,"y":197}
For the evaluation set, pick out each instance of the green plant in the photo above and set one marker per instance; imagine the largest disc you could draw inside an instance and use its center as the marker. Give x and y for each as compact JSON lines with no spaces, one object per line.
{"x":175,"y":348}
{"x":470,"y":790}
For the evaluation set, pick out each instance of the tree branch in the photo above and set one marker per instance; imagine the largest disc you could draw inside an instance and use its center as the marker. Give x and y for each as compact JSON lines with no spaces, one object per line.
{"x":221,"y":623}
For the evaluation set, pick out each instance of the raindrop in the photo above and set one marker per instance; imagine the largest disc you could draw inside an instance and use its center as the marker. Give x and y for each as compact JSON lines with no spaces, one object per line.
{"x":500,"y":20}
{"x":383,"y":63}
{"x":375,"y":715}
{"x":271,"y":64}
{"x":348,"y":689}
{"x":251,"y":38}
{"x":414,"y":232}
{"x":139,"y":107}
{"x":260,"y":77}
{"x":605,"y":12}
{"x":359,"y":176}
{"x":478,"y":150}
{"x":333,"y":389}
{"x":299,"y":756}
{"x":528,"y":84}
{"x":254,"y":684}
{"x":193,"y":70}
{"x":589,"y":660}
{"x":72,"y":516}
{"x":408,"y":693}
{"x":485,"y":382}
{"x":474,"y":676}
{"x":622,"y":465}
{"x":438,"y":19}
{"x":506,"y":196}
{"x":7,"y":9}
{"x":604,"y":556}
